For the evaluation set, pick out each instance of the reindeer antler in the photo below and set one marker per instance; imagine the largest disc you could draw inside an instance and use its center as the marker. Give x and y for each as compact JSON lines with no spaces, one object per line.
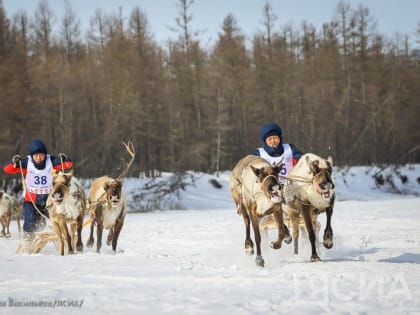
{"x":130,"y":149}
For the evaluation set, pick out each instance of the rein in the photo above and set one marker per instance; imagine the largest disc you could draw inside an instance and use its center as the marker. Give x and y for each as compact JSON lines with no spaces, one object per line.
{"x":300,"y":179}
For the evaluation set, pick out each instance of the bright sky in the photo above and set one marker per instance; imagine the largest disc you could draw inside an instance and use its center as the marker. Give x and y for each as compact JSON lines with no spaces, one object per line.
{"x":402,"y":16}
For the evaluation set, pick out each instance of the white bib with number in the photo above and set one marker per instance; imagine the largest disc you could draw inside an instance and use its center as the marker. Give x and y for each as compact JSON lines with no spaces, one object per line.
{"x":39,"y":181}
{"x":286,"y":158}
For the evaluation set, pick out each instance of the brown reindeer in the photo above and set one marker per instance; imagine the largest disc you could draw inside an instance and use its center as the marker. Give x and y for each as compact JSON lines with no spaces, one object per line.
{"x":106,"y":202}
{"x":10,"y":208}
{"x":66,"y":205}
{"x":255,"y":190}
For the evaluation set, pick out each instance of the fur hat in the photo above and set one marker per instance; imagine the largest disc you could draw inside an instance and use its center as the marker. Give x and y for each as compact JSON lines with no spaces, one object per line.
{"x":37,"y":146}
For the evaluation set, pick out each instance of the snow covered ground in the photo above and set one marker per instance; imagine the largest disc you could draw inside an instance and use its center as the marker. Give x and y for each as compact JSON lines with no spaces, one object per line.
{"x":193,"y":261}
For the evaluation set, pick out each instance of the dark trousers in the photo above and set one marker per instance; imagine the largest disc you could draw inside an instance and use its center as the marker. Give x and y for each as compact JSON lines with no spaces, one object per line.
{"x":31,"y":216}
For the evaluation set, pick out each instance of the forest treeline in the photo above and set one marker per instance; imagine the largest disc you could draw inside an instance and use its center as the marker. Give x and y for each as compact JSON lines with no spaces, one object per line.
{"x":343,"y":90}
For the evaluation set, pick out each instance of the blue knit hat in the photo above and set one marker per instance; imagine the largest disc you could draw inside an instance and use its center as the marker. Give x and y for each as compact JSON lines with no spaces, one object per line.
{"x":37,"y":146}
{"x":270,"y":130}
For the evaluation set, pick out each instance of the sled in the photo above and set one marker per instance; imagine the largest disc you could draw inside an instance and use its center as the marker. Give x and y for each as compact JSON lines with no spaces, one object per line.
{"x":40,"y":240}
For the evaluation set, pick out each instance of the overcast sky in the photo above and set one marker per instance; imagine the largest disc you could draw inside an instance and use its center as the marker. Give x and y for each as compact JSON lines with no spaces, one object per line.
{"x":393,"y":16}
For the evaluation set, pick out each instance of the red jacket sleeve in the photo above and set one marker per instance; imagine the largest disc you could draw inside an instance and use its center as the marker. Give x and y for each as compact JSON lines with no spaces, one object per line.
{"x":65,"y":165}
{"x":11,"y":169}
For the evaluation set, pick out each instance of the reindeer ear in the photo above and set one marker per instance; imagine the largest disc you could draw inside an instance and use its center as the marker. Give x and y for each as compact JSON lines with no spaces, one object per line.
{"x":313,"y":165}
{"x":257,"y":171}
{"x":330,"y":160}
{"x":309,"y":163}
{"x":278,"y":167}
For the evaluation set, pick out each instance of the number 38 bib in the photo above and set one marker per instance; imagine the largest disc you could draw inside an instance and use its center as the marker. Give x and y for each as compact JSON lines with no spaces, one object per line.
{"x":39,"y":181}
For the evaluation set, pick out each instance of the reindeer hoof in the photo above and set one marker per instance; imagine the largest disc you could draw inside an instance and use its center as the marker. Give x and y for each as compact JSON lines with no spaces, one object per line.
{"x":249,"y":251}
{"x":328,"y":244}
{"x":328,"y":239}
{"x":89,"y":243}
{"x":288,"y":239}
{"x":2,"y":234}
{"x":259,"y":261}
{"x":79,"y":248}
{"x":8,"y":235}
{"x":315,"y":258}
{"x":276,"y":244}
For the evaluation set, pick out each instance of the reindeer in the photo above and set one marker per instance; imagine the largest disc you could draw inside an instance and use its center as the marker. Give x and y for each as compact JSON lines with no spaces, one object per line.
{"x":9,"y":207}
{"x":66,"y":205}
{"x":309,"y":191}
{"x":106,"y":203}
{"x":254,"y":186}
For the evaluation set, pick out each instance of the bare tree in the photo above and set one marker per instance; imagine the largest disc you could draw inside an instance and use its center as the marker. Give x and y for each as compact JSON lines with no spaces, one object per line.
{"x":70,"y":31}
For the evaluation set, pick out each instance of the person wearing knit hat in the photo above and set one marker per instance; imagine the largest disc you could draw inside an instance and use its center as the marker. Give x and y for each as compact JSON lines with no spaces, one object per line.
{"x":37,"y":169}
{"x":274,"y":150}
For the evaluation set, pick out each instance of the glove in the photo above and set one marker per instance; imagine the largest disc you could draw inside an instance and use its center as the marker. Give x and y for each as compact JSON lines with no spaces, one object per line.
{"x":63,"y":157}
{"x":16,"y":158}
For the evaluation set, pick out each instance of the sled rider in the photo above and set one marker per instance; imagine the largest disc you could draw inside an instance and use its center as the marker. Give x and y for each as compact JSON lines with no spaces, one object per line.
{"x":37,"y":168}
{"x":275,"y":151}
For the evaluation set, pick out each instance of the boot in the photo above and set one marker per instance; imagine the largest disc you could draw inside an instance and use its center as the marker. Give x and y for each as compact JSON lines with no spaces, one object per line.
{"x":25,"y":246}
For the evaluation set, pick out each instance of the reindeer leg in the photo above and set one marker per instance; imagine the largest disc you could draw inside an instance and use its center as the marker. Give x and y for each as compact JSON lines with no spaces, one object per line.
{"x":60,"y":240}
{"x":278,"y":216}
{"x":249,"y":245}
{"x":72,"y":233}
{"x":79,"y":226}
{"x":295,"y":220}
{"x":328,"y":232}
{"x":117,"y":229}
{"x":110,"y":236}
{"x":99,"y":230}
{"x":241,"y":210}
{"x":257,"y":235}
{"x":18,"y":222}
{"x":287,"y":237}
{"x":66,"y":233}
{"x":258,"y":259}
{"x":8,"y":219}
{"x":93,"y":215}
{"x":307,"y":216}
{"x":91,"y":240}
{"x":2,"y":233}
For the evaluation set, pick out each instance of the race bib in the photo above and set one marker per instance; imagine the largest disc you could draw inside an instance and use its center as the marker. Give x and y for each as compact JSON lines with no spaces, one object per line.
{"x":39,"y":181}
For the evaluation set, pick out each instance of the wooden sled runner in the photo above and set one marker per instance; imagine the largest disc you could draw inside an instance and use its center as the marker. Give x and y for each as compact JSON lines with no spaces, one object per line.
{"x":40,"y":240}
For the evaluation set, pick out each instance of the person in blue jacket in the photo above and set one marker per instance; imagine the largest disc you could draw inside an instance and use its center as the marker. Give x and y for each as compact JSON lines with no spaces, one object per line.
{"x":273,"y":149}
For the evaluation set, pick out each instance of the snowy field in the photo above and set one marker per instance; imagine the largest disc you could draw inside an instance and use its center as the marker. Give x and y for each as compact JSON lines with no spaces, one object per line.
{"x":193,"y":261}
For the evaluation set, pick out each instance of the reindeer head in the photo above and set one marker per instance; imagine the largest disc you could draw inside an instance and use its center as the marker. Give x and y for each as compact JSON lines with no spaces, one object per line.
{"x":113,"y":191}
{"x":61,"y":186}
{"x":321,"y":171}
{"x":268,"y":177}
